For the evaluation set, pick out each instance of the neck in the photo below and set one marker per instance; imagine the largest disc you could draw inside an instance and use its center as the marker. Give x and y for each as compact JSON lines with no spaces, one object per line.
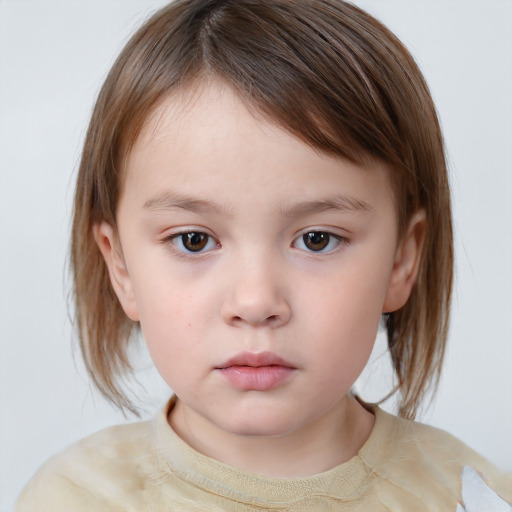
{"x":328,"y":441}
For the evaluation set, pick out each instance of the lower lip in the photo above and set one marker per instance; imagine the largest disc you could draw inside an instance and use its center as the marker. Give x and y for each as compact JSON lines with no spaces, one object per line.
{"x":261,"y":378}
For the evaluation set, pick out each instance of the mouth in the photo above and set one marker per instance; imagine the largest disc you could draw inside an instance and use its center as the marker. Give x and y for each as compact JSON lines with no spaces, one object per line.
{"x":263,"y":371}
{"x":255,"y":360}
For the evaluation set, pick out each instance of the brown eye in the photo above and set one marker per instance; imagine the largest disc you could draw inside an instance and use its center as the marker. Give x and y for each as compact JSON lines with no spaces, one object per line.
{"x":193,"y":241}
{"x":316,"y":240}
{"x":322,"y":242}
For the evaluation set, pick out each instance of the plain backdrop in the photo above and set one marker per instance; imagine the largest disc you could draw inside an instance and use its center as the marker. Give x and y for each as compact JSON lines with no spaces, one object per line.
{"x":53,"y":58}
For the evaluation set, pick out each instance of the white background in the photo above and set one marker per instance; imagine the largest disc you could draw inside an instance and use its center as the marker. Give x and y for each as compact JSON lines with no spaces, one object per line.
{"x":53,"y":58}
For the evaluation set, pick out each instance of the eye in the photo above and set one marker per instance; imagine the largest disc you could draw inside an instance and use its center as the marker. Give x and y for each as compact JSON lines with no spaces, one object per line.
{"x":318,"y":241}
{"x":193,"y":242}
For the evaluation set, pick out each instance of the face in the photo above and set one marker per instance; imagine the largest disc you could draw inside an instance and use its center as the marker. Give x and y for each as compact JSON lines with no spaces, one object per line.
{"x":257,"y":267}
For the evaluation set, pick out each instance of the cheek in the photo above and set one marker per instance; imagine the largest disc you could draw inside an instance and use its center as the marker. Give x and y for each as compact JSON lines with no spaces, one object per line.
{"x":346,"y":319}
{"x":175,"y":323}
{"x":165,"y":315}
{"x":348,"y":300}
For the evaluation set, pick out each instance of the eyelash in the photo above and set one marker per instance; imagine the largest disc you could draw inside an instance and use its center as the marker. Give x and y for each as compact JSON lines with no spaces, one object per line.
{"x":177,"y":239}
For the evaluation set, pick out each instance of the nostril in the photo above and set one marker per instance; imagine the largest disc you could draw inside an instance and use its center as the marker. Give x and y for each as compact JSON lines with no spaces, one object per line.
{"x":262,"y":311}
{"x":269,"y":321}
{"x":272,"y":320}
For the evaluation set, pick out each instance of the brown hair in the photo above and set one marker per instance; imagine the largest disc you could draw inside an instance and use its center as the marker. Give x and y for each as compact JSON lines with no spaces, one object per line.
{"x":327,"y":72}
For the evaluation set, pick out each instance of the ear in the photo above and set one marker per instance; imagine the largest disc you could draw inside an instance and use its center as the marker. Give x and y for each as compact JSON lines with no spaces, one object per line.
{"x":406,"y":264}
{"x":110,"y":247}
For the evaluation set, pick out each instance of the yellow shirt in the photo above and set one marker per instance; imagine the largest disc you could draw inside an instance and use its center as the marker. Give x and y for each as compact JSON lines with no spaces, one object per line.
{"x":403,"y":467}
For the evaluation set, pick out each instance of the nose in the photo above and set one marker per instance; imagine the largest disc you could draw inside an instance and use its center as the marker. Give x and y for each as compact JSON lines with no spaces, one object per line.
{"x":256,"y":294}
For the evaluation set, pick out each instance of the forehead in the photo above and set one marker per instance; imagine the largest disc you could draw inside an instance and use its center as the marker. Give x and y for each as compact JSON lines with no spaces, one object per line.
{"x":206,"y":140}
{"x":209,"y":106}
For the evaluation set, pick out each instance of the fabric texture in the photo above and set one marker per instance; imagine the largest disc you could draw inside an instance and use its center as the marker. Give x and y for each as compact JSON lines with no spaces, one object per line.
{"x":403,"y":467}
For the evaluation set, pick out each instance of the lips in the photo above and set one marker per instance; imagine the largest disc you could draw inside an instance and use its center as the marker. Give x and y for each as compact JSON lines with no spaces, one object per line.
{"x":256,"y":360}
{"x":263,"y":371}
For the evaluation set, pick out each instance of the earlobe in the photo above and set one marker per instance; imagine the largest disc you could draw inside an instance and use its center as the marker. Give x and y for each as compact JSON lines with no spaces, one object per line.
{"x":406,"y":264}
{"x":110,"y":248}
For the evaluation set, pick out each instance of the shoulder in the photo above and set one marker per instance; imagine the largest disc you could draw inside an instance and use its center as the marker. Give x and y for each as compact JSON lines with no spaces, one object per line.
{"x":96,"y":473}
{"x":427,"y":462}
{"x":445,"y":451}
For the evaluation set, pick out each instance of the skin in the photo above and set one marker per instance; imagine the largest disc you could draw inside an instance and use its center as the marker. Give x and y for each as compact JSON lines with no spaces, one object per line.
{"x":256,"y":286}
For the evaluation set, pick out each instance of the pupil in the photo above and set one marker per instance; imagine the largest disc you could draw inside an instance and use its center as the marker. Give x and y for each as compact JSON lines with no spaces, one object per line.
{"x":316,"y":240}
{"x":194,"y":241}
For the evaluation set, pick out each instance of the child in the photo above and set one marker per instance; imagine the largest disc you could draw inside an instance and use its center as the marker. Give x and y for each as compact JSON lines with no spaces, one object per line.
{"x":260,"y":183}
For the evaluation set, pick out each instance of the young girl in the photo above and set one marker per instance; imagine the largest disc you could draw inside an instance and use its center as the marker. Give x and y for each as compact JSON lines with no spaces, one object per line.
{"x":262,"y":182}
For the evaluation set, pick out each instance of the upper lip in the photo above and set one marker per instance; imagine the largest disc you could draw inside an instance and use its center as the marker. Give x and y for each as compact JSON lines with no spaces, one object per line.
{"x":256,"y":360}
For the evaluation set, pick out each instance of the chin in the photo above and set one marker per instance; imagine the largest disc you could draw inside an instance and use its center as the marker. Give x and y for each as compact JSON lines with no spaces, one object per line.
{"x":261,"y":426}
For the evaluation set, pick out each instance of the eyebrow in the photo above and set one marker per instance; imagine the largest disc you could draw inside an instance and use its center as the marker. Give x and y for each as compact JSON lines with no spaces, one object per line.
{"x":168,"y":201}
{"x":338,"y":202}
